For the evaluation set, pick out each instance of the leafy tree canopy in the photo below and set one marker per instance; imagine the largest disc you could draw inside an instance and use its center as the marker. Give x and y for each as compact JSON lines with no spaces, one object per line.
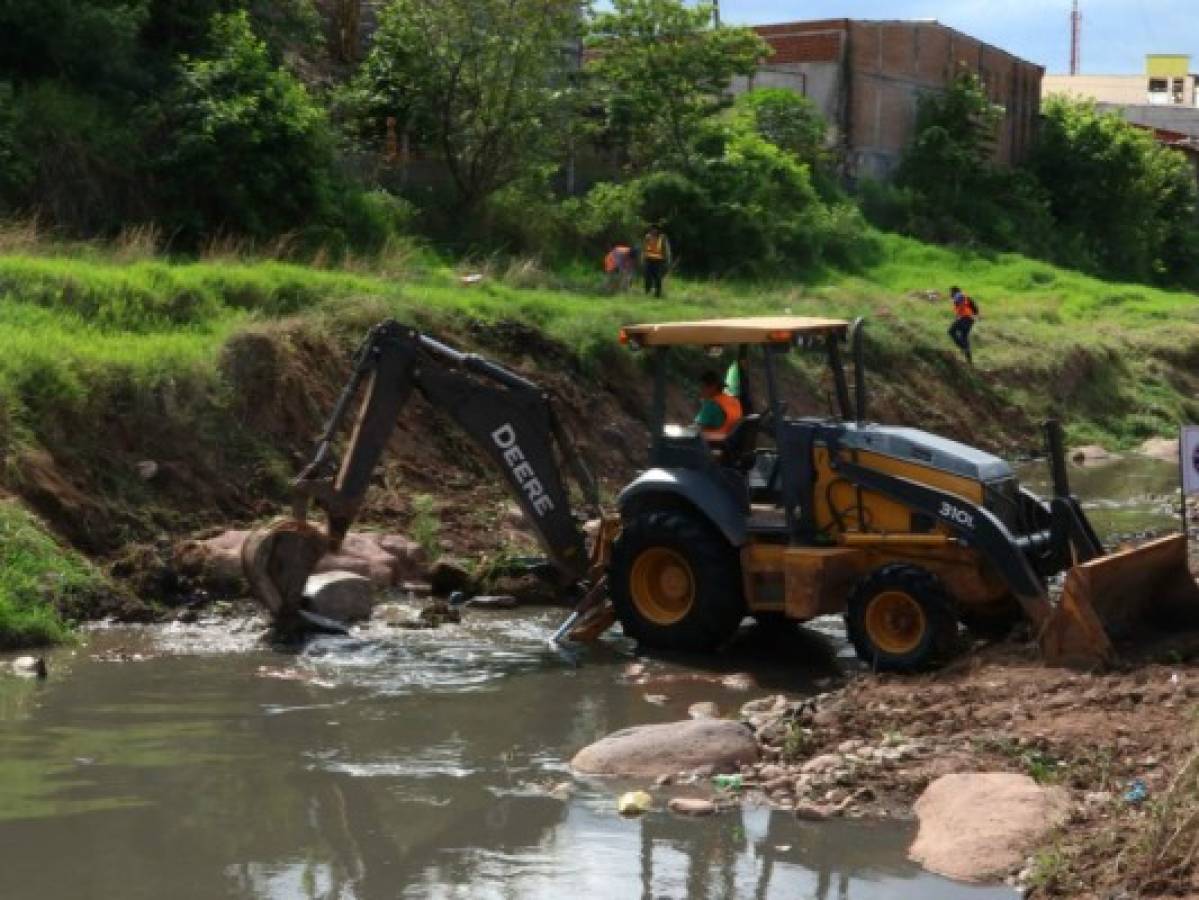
{"x":658,"y":70}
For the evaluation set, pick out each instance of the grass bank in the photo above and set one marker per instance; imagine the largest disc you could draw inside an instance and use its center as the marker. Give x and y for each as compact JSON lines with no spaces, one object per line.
{"x":42,"y":583}
{"x":219,"y":371}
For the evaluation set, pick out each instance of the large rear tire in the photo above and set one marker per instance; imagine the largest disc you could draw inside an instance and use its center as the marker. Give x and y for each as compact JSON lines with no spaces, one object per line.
{"x":675,"y":582}
{"x":900,"y":619}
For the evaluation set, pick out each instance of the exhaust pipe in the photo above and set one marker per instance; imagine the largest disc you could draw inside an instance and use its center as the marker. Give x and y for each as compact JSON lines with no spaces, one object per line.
{"x":1055,"y":449}
{"x":856,"y":338}
{"x":1075,"y":536}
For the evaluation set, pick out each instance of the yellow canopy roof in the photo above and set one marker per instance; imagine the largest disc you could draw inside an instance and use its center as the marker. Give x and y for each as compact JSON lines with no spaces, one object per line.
{"x":754,"y":330}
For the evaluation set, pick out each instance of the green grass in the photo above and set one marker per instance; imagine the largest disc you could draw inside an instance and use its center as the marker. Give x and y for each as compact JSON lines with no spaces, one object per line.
{"x":37,"y":577}
{"x":71,"y":321}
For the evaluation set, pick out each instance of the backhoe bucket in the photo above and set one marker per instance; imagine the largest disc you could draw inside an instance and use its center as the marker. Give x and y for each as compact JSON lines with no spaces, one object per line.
{"x":1113,"y":597}
{"x":277,"y":562}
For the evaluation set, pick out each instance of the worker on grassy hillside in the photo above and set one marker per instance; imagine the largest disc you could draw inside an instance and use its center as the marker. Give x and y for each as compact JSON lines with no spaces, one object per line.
{"x":655,"y":253}
{"x":965,"y":311}
{"x":719,"y":410}
{"x":619,"y":265}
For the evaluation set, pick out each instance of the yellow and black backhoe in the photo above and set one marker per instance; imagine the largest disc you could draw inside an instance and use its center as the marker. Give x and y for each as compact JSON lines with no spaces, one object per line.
{"x":788,"y":518}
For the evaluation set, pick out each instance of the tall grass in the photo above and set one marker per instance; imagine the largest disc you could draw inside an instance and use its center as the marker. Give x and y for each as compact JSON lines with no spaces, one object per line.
{"x":70,"y":316}
{"x":37,"y":577}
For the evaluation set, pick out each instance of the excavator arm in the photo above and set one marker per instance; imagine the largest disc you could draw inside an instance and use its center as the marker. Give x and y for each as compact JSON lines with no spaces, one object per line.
{"x":507,"y":416}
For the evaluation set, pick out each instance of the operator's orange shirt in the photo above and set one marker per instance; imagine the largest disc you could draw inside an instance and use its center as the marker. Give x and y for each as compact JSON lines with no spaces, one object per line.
{"x":731,"y":407}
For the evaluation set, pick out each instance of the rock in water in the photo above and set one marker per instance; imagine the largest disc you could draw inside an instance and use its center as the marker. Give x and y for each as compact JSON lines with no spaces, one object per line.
{"x":1160,"y":448}
{"x":439,"y":613}
{"x":979,"y":827}
{"x":500,"y":601}
{"x":341,"y":596}
{"x":449,"y":575}
{"x":29,"y":667}
{"x":387,"y":560}
{"x":691,"y":806}
{"x":634,"y":803}
{"x":653,"y":750}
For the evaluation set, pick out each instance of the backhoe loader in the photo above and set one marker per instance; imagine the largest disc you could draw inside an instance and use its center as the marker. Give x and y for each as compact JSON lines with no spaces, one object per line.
{"x":907,"y":534}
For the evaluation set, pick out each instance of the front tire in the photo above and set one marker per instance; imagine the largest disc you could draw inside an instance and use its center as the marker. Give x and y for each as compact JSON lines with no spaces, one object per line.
{"x":900,"y":619}
{"x":675,"y":582}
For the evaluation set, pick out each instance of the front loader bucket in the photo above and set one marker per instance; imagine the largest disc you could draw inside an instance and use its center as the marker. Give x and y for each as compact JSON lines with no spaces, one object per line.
{"x":1115,"y":596}
{"x":277,"y":562}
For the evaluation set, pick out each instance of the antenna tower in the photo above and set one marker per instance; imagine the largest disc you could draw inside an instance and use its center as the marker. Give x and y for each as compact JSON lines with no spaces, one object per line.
{"x":1075,"y":38}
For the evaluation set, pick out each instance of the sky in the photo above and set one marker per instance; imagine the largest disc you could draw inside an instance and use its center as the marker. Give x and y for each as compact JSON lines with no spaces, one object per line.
{"x":1116,"y":34}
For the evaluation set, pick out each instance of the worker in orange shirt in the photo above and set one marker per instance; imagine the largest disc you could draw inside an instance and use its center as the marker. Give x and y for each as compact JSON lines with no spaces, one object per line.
{"x":619,"y":265}
{"x":719,"y":410}
{"x":965,"y":311}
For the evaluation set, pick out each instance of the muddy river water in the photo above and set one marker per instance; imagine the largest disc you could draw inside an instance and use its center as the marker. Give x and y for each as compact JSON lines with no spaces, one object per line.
{"x":399,"y":764}
{"x":187,"y":761}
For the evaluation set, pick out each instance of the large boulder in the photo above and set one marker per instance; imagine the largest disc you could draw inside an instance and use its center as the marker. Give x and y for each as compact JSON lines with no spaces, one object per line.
{"x":1165,"y":449}
{"x":340,"y":596}
{"x":1092,"y":455}
{"x":365,"y":554}
{"x":388,"y":560}
{"x":449,"y":575}
{"x":653,"y":750}
{"x":979,"y":827}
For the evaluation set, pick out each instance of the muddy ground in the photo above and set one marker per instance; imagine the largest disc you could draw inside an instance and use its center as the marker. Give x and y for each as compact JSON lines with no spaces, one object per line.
{"x":1119,"y":741}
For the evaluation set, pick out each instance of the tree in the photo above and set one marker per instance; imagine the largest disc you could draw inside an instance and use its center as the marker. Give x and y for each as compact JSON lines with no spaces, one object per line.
{"x":658,"y":70}
{"x":788,"y":120}
{"x":483,"y":84}
{"x":949,"y":188}
{"x":954,"y":144}
{"x":1125,"y":202}
{"x":245,"y":148}
{"x":91,"y":42}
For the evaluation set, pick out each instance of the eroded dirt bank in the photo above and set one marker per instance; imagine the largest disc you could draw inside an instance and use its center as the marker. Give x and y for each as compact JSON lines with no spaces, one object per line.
{"x":129,"y":464}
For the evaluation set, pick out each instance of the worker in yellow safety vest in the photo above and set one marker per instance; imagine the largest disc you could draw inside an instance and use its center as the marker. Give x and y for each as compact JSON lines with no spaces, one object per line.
{"x":655,"y":250}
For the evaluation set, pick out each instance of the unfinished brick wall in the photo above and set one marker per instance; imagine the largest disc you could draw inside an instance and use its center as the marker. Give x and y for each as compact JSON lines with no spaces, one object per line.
{"x":892,"y":64}
{"x":872,"y":75}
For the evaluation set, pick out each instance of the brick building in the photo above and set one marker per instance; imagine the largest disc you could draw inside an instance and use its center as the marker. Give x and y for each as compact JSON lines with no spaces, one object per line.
{"x":867,"y":77}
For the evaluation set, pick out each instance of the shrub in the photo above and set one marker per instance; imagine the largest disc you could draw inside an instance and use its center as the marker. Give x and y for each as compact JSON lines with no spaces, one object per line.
{"x":525,"y":218}
{"x":74,"y":158}
{"x":1127,"y":204}
{"x":246,"y":149}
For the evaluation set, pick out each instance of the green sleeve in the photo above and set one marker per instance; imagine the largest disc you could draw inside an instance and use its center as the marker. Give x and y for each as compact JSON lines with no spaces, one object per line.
{"x":732,"y":380}
{"x":710,"y":415}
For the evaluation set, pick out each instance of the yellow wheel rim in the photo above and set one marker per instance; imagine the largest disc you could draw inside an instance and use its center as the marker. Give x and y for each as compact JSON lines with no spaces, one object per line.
{"x":895,"y":622}
{"x":662,"y":585}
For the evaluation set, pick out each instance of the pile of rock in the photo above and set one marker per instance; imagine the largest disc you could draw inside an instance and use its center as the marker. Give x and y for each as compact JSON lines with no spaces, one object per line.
{"x":816,"y":785}
{"x":387,"y":560}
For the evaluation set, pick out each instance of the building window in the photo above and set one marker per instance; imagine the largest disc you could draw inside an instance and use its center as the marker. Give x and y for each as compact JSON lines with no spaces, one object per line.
{"x":1158,"y":85}
{"x":1179,"y":91}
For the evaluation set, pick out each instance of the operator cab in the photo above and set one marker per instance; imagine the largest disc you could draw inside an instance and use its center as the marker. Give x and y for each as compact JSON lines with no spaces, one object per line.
{"x":746,"y":461}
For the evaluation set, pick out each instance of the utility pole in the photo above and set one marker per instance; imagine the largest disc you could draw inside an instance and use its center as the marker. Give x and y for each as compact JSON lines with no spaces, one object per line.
{"x":1075,"y":38}
{"x":716,"y":13}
